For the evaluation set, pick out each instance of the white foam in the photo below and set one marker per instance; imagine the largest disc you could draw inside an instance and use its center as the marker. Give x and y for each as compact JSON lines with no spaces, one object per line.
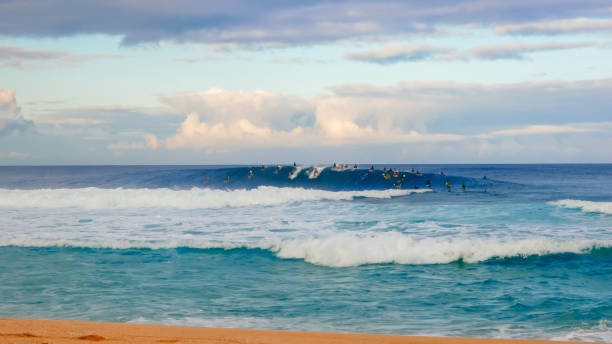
{"x":318,"y":169}
{"x":393,"y":247}
{"x":585,"y":206}
{"x":599,"y":333}
{"x":343,"y":250}
{"x":295,"y":172}
{"x":196,"y":198}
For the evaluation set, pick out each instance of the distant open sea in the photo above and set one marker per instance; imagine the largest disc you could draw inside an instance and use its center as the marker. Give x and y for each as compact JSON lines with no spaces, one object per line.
{"x":524,"y":253}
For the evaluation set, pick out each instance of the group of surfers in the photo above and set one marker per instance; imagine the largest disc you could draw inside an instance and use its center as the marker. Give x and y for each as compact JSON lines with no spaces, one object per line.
{"x":387,"y":174}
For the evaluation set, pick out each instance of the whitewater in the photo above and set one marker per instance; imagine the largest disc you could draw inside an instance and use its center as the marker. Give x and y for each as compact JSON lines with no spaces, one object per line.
{"x":524,"y":249}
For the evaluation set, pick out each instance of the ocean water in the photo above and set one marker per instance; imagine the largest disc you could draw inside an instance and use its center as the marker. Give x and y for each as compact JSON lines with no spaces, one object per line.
{"x":524,"y":253}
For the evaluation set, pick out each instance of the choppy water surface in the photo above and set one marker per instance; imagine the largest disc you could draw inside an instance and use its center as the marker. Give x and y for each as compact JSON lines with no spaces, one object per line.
{"x":526,"y":252}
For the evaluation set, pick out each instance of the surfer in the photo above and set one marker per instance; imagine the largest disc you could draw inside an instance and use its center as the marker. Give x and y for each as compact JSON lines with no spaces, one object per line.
{"x":355,"y":167}
{"x":315,"y":173}
{"x":250,"y":174}
{"x":441,"y":173}
{"x":335,"y":165}
{"x":463,"y":187}
{"x":290,"y":174}
{"x":294,"y":164}
{"x":371,"y":168}
{"x":448,"y":185}
{"x":484,"y":178}
{"x":205,"y":180}
{"x":278,"y":168}
{"x":227,"y":180}
{"x":263,"y":167}
{"x":428,"y":183}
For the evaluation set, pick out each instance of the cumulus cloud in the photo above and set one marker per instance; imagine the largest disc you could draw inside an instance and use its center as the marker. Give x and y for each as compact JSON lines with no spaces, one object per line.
{"x":407,"y":112}
{"x":398,"y":53}
{"x":240,"y":133}
{"x":552,"y":27}
{"x":274,"y":23}
{"x":249,"y":119}
{"x":11,"y":120}
{"x":281,"y":112}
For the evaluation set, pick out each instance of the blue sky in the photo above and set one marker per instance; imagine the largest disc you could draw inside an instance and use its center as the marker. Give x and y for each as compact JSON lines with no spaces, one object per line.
{"x":197,"y":82}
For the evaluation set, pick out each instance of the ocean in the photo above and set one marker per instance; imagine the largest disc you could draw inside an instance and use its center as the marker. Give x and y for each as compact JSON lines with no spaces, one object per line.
{"x":524,"y":251}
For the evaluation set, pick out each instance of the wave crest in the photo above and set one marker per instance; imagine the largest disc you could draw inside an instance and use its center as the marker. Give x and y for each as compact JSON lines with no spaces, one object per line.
{"x":585,"y":206}
{"x":344,"y":250}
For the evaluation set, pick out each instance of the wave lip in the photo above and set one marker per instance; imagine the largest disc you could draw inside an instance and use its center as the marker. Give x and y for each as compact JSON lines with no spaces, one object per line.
{"x":195,"y":198}
{"x":585,"y":206}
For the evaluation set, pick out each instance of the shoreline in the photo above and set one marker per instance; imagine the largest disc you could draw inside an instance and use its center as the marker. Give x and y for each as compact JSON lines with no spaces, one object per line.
{"x":69,"y":331}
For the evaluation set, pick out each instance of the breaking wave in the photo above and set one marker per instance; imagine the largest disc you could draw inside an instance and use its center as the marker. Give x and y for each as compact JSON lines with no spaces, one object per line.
{"x":195,"y":198}
{"x":344,"y":250}
{"x":585,"y":206}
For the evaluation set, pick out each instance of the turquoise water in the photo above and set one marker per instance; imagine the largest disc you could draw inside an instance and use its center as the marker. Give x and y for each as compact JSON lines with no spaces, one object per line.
{"x":526,"y":252}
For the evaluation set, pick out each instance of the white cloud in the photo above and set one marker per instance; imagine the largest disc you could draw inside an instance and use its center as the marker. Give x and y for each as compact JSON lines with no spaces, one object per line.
{"x":150,"y":141}
{"x":15,"y":56}
{"x":196,"y":134}
{"x":14,"y":155}
{"x":404,"y":53}
{"x":398,"y":53}
{"x":11,"y":120}
{"x":540,"y":130}
{"x":8,"y":104}
{"x":237,"y":119}
{"x":517,"y":50}
{"x":262,"y":108}
{"x":575,"y":25}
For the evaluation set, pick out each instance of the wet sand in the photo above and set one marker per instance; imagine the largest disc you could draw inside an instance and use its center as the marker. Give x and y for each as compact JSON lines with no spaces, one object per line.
{"x":54,"y":331}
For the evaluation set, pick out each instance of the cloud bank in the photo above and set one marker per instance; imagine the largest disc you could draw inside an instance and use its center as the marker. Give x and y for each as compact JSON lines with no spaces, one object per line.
{"x":240,"y":22}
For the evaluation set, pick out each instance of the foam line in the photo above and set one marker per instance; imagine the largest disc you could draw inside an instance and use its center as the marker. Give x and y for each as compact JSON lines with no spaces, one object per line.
{"x":195,"y":198}
{"x":343,"y":250}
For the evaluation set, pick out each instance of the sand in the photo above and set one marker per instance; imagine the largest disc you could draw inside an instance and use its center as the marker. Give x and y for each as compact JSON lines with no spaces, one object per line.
{"x":57,"y":331}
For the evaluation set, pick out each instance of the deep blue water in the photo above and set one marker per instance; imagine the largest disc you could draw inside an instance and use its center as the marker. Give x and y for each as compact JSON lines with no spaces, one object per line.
{"x":526,"y":252}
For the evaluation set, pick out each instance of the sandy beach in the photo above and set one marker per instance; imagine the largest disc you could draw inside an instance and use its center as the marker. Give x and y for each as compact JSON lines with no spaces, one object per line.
{"x":56,"y":331}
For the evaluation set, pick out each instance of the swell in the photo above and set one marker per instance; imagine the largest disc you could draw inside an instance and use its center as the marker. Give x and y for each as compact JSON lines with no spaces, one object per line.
{"x":195,"y":198}
{"x":344,"y":250}
{"x":325,"y":178}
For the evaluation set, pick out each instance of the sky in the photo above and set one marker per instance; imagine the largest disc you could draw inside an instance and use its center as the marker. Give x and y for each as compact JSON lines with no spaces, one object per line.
{"x":251,"y":82}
